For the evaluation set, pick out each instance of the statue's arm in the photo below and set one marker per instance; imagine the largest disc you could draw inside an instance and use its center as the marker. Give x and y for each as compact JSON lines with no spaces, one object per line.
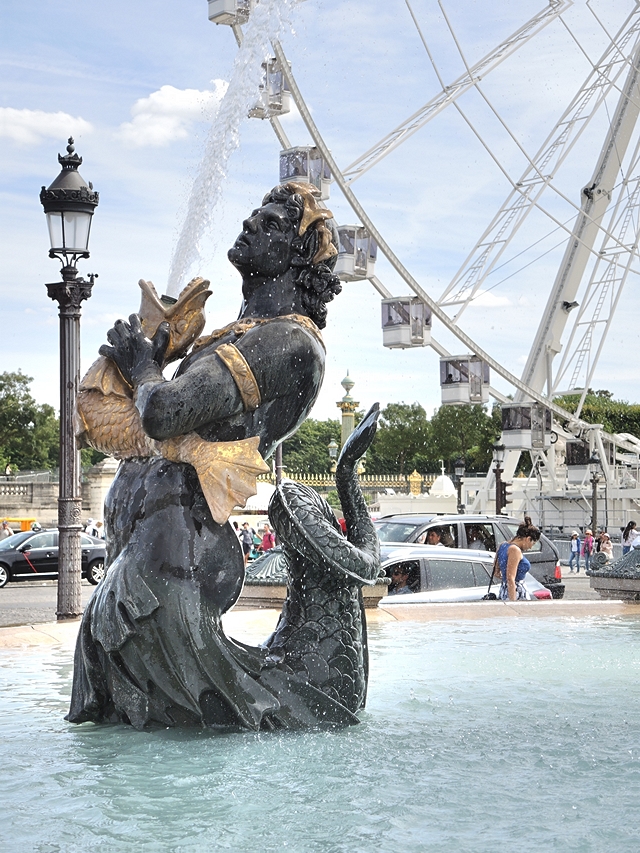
{"x":168,"y":408}
{"x":203,"y":395}
{"x":282,"y":358}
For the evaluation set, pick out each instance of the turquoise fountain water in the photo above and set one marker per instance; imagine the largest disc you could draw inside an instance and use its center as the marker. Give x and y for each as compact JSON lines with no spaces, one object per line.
{"x":516,"y":735}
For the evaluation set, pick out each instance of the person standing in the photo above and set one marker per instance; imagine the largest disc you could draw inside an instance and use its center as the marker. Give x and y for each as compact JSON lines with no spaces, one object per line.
{"x":574,"y":556}
{"x":246,"y":540}
{"x":268,"y":538}
{"x":629,"y":536}
{"x":587,"y":548}
{"x":5,"y":530}
{"x":606,"y":547}
{"x":91,"y":528}
{"x":512,"y":565}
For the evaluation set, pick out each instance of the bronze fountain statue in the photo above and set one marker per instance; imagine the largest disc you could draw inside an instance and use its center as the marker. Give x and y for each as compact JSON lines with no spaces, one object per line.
{"x":151,"y":648}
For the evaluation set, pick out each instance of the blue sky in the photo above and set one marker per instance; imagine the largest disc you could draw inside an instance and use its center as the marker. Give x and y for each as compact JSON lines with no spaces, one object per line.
{"x":138,"y":86}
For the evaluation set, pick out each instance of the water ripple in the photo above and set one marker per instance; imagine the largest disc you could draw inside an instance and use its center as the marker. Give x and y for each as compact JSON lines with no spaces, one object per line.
{"x":522,"y":735}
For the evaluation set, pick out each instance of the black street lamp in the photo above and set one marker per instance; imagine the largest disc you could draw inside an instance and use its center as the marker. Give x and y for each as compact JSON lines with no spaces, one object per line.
{"x":458,"y":470}
{"x":595,"y":467}
{"x":69,"y":204}
{"x":498,"y":459}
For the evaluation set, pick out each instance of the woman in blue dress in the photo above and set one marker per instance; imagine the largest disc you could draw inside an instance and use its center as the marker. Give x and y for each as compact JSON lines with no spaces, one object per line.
{"x":511,"y":563}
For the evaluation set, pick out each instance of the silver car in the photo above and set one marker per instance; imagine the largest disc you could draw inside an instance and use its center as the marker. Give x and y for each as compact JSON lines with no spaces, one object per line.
{"x":474,"y":532}
{"x":438,"y":574}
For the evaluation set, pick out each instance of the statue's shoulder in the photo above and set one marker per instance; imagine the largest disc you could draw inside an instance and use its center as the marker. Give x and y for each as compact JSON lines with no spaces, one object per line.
{"x":298,"y":329}
{"x":297,"y":325}
{"x":253,"y":329}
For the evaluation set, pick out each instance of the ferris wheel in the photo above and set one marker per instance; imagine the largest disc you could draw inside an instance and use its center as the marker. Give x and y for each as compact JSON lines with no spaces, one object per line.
{"x":605,"y":227}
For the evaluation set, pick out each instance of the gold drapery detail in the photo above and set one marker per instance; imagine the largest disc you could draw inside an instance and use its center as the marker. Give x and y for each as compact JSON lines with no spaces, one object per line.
{"x":227,"y":470}
{"x":242,"y":375}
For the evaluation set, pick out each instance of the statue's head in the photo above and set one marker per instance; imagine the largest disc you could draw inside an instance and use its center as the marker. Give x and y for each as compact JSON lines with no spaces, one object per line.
{"x":290,"y":232}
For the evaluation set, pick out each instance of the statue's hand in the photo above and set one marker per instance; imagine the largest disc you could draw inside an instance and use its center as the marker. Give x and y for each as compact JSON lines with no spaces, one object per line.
{"x":138,"y":358}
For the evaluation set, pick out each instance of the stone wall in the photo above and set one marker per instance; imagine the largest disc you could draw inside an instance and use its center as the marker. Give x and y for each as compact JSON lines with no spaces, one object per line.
{"x":39,"y":500}
{"x":30,"y":500}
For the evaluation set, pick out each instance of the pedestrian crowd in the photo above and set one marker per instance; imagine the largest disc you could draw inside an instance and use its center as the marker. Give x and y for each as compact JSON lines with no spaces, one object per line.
{"x":254,"y":542}
{"x":587,"y":546}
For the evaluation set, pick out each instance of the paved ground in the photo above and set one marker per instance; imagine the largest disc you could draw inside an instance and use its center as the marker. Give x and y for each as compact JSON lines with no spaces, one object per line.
{"x":33,"y":602}
{"x":30,"y":609}
{"x":577,"y":587}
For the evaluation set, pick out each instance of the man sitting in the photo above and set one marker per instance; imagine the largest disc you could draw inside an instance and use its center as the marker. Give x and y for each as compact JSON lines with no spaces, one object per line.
{"x":434,"y":537}
{"x":400,"y":581}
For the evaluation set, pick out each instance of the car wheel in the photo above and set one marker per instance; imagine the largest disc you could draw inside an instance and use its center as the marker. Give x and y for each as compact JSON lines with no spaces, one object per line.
{"x":95,"y":572}
{"x":4,"y":576}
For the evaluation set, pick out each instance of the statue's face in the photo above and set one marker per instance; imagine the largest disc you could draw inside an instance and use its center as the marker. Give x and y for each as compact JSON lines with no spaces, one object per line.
{"x":263,"y":249}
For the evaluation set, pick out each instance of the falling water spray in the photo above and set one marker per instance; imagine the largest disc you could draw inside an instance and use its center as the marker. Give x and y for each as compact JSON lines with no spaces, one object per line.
{"x":267,"y":21}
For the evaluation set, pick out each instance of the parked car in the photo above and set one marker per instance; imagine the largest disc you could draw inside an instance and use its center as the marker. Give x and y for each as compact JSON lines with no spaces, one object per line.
{"x":476,"y":532}
{"x":31,"y":555}
{"x":440,"y":574}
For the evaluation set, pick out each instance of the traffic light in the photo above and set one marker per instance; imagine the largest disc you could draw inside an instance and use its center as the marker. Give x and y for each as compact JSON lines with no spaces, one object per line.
{"x":506,"y":495}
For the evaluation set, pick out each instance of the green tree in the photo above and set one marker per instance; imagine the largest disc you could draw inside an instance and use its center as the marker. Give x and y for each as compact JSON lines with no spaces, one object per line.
{"x":90,"y":457}
{"x":29,"y":437}
{"x":306,"y":451}
{"x":402,"y":441}
{"x":600,"y":408}
{"x":467,"y":431}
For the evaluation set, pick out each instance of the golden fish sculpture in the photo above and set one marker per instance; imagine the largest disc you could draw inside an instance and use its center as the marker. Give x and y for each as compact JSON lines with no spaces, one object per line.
{"x":107,"y":419}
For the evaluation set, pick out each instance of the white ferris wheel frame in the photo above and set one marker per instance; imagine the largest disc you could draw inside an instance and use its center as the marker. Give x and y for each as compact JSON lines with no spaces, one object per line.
{"x":605,"y":287}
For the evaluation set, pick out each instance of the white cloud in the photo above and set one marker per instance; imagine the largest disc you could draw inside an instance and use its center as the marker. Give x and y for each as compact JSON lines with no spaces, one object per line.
{"x":29,"y":127}
{"x":484,"y":299}
{"x":167,"y":114}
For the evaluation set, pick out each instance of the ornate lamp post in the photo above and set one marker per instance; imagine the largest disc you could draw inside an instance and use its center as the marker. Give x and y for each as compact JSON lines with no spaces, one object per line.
{"x":458,"y":469}
{"x":348,"y":407}
{"x":595,"y":468}
{"x":278,"y":464}
{"x":69,"y":204}
{"x":332,"y":447}
{"x":498,"y":459}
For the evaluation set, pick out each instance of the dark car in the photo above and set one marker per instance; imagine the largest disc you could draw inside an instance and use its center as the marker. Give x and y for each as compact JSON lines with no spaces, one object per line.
{"x":475,"y":532}
{"x":31,"y":555}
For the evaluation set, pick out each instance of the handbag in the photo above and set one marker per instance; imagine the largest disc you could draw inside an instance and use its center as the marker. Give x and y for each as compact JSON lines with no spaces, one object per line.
{"x":491,"y":596}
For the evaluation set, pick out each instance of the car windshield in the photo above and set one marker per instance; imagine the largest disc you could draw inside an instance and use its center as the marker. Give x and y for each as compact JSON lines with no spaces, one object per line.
{"x":396,"y":531}
{"x":15,"y":540}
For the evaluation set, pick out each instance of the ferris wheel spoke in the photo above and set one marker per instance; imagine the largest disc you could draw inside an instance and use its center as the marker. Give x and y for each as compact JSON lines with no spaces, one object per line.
{"x":524,"y":197}
{"x":453,"y":91}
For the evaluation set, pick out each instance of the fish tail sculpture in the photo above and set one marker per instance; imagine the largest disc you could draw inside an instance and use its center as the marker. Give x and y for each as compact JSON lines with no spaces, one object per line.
{"x":106,"y":417}
{"x":321,"y":635}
